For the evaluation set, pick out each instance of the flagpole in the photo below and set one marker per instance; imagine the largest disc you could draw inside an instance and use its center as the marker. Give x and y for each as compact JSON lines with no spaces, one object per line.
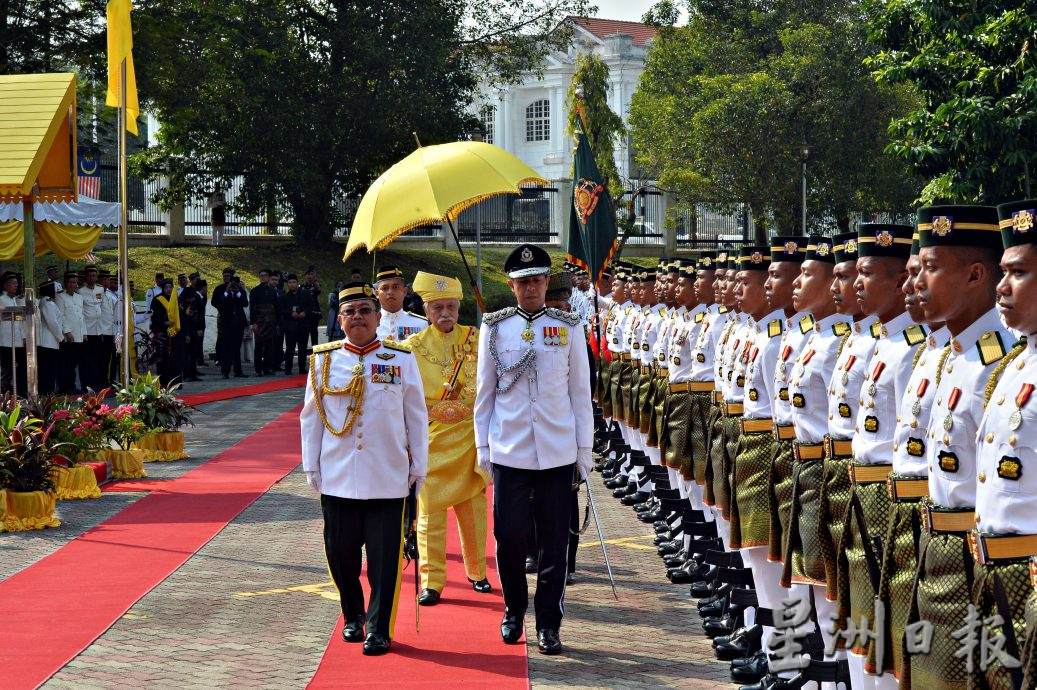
{"x":124,"y":254}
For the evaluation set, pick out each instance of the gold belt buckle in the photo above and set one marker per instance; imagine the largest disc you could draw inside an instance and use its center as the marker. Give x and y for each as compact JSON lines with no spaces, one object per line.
{"x":450,"y":411}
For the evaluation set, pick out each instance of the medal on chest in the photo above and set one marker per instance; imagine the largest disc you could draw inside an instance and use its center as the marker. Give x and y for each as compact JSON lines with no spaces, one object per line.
{"x":916,"y":406}
{"x":952,"y":402}
{"x":527,"y":332}
{"x":1016,"y":418}
{"x":846,"y":369}
{"x":873,"y":386}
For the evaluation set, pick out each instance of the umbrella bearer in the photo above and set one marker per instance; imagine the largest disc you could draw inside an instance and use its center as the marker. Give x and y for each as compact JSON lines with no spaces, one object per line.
{"x":445,"y":354}
{"x":534,"y":427}
{"x":363,"y":482}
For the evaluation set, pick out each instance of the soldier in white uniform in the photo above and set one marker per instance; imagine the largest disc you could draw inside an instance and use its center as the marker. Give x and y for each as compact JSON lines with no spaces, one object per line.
{"x":98,"y":317}
{"x":396,"y":325}
{"x":71,"y":304}
{"x":534,"y":430}
{"x":961,"y":250}
{"x":1004,"y":542}
{"x":12,"y":336}
{"x":48,"y":339}
{"x":363,"y":475}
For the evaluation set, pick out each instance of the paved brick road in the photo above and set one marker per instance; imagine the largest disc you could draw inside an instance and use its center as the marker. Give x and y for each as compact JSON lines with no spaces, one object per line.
{"x":254,"y":607}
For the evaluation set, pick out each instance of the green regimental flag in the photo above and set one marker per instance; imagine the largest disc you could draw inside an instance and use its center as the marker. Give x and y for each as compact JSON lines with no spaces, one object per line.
{"x":592,"y":224}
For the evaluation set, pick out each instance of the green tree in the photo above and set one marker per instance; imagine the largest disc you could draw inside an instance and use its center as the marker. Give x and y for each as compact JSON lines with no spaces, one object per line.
{"x":603,"y":125}
{"x":971,"y":136}
{"x":45,"y":35}
{"x":727,"y":102}
{"x":310,"y":100}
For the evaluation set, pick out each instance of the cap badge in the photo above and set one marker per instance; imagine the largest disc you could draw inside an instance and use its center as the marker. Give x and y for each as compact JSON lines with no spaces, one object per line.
{"x":722,"y":256}
{"x":1022,"y":221}
{"x":756,"y":258}
{"x":441,"y":284}
{"x":368,"y":291}
{"x":706,"y":261}
{"x":851,"y":246}
{"x":884,"y":238}
{"x":823,"y":248}
{"x":791,"y":247}
{"x":526,"y":255}
{"x":942,"y":225}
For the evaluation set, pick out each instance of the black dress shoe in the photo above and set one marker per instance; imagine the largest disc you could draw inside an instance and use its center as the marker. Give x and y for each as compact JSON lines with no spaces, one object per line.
{"x":245,"y":376}
{"x":634,"y":498}
{"x":428,"y":597}
{"x":548,"y":642}
{"x":668,"y":548}
{"x":752,"y":670}
{"x":353,"y":630}
{"x":531,"y":564}
{"x":511,"y":628}
{"x":773,"y":682}
{"x":482,"y":586}
{"x":745,"y":662}
{"x":740,"y":645}
{"x":376,"y":645}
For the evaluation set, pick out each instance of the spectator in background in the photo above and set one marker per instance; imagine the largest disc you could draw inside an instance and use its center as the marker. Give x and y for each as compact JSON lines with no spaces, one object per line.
{"x":12,"y":337}
{"x":230,"y":301}
{"x":263,"y":310}
{"x":312,"y":288}
{"x":54,"y":276}
{"x":166,"y":327}
{"x":354,"y":275}
{"x":294,"y":310}
{"x":217,"y":205}
{"x":277,"y":282}
{"x":334,"y":330}
{"x":413,"y":302}
{"x":70,"y":302}
{"x":201,"y":289}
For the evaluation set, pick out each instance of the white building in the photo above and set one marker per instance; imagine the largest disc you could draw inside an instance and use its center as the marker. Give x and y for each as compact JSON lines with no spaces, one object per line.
{"x":529,"y":119}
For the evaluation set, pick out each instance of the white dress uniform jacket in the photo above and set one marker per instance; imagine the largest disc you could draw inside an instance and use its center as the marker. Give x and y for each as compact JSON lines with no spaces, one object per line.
{"x":811,"y":377}
{"x":399,"y":325}
{"x":98,"y":311}
{"x":974,"y":354}
{"x":705,"y":348}
{"x":798,"y":328}
{"x":12,"y":329}
{"x":912,"y":432}
{"x":1007,"y":465}
{"x":71,"y":306}
{"x":544,"y":416}
{"x":50,"y":332}
{"x":371,"y":459}
{"x":761,"y":361}
{"x":884,"y":386}
{"x":850,"y":369}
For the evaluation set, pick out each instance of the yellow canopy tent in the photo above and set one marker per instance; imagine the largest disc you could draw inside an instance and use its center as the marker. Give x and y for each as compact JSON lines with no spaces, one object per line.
{"x":37,"y":161}
{"x":69,"y":229}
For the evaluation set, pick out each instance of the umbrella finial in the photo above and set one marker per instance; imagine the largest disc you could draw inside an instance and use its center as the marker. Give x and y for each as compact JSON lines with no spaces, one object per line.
{"x":415,"y":134}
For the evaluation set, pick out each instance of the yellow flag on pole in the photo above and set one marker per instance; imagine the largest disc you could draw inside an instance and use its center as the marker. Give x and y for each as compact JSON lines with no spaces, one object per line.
{"x":120,"y":47}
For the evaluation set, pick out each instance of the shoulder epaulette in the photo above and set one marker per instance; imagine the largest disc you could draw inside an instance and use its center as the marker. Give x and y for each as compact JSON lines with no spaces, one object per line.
{"x":806,"y":323}
{"x":395,"y":346}
{"x":662,"y":312}
{"x":499,"y":315}
{"x":914,"y":334}
{"x":328,"y":346}
{"x":774,"y":328}
{"x":840,"y":328}
{"x":566,"y":316}
{"x":628,"y":310}
{"x":418,"y":316}
{"x":876,"y":330}
{"x":698,"y":317}
{"x":723,"y":310}
{"x":990,"y":347}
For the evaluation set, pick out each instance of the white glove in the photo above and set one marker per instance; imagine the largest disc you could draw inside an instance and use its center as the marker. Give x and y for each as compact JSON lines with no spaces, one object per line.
{"x":483,"y":456}
{"x":584,"y":461}
{"x":313,"y":479}
{"x":417,"y":482}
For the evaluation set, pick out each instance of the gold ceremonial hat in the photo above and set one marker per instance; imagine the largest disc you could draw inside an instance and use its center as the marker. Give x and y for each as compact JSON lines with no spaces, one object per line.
{"x":430,"y":286}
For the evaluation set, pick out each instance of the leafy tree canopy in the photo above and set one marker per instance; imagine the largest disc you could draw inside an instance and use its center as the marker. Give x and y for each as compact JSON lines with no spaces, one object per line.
{"x":728,"y":101}
{"x":603,"y":125}
{"x":971,"y":134}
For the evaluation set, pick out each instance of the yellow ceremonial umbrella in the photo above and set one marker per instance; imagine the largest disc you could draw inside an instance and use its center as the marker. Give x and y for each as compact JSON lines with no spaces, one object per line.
{"x":432,"y":185}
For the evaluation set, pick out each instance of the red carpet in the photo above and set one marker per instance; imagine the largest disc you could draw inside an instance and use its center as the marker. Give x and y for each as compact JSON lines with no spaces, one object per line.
{"x":136,"y":486}
{"x":49,"y":618}
{"x":459,"y":644}
{"x":278,"y":383}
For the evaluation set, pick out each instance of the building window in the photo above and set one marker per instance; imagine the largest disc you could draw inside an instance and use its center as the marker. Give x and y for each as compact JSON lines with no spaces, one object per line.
{"x":486,"y":116}
{"x":538,"y":121}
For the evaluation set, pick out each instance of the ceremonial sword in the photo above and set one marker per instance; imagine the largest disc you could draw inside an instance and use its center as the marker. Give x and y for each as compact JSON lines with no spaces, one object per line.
{"x":601,"y":537}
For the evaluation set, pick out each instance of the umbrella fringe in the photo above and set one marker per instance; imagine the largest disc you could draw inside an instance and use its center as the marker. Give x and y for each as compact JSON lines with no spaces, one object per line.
{"x":393,"y":235}
{"x":457,"y":209}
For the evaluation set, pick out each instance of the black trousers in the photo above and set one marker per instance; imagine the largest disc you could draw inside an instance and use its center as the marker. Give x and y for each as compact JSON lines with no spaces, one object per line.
{"x":550,"y":508}
{"x":47,"y":369}
{"x":532,"y":550}
{"x":6,"y":384}
{"x":70,"y":355}
{"x":295,"y":340}
{"x":230,"y":348}
{"x":265,"y":355}
{"x":92,"y":364}
{"x":377,"y":526}
{"x":196,"y":348}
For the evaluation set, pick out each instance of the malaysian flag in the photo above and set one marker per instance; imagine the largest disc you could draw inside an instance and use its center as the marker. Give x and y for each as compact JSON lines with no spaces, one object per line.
{"x":89,"y":174}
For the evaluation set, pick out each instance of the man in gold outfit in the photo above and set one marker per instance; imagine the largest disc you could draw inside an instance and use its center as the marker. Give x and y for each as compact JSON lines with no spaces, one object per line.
{"x":446,"y":357}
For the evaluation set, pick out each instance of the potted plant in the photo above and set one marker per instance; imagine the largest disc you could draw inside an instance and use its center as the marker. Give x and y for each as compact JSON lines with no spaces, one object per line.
{"x":26,"y":460}
{"x":159,"y":409}
{"x":120,"y":426}
{"x":66,"y":434}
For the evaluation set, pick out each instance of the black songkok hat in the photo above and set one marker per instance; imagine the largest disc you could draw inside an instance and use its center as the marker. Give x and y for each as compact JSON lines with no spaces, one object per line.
{"x":959,"y":226}
{"x":791,"y":248}
{"x":884,"y":239}
{"x":1018,"y":223}
{"x":387,"y":272}
{"x":845,"y":247}
{"x":820,"y":249}
{"x":754,"y":258}
{"x":356,"y":291}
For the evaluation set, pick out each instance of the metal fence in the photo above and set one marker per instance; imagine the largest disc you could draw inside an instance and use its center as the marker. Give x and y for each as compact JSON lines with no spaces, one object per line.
{"x":527,"y":217}
{"x":649,"y":206}
{"x":198,"y":216}
{"x":142,"y":215}
{"x":702,"y":226}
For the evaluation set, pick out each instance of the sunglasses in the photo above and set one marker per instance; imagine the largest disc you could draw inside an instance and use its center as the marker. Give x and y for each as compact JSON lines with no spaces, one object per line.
{"x":362,"y":311}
